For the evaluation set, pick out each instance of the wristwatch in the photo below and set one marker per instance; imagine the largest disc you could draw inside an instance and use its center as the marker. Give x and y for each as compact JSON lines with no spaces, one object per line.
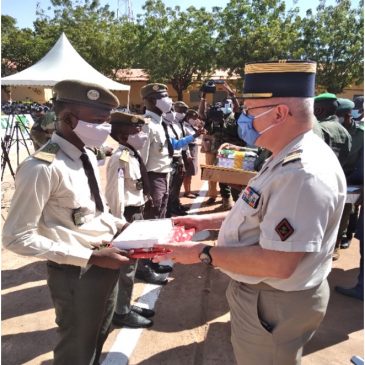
{"x":205,"y":257}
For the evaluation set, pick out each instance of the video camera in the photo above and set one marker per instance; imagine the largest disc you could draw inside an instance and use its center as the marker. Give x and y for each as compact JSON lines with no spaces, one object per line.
{"x":210,"y":86}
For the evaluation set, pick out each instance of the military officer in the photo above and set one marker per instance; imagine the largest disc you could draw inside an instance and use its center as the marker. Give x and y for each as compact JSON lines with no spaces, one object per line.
{"x":58,"y":214}
{"x":356,"y":131}
{"x":276,"y":243}
{"x":127,"y":191}
{"x":334,"y":134}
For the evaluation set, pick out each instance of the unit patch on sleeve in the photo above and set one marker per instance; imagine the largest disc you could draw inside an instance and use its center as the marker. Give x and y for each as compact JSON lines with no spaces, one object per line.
{"x":284,"y":229}
{"x":251,"y":197}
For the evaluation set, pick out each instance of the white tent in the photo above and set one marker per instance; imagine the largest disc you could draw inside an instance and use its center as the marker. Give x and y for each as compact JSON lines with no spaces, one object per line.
{"x":60,"y":63}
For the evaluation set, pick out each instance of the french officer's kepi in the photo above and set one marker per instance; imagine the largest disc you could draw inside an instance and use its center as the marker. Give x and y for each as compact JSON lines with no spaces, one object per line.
{"x":86,"y":93}
{"x":126,"y":118}
{"x":283,"y":78}
{"x":154,"y":89}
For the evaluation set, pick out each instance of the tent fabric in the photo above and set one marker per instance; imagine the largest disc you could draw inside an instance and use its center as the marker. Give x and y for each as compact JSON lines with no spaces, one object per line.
{"x":60,"y":63}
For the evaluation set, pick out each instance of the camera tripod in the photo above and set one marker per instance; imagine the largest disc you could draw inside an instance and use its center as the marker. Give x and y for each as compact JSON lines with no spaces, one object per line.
{"x":16,"y":133}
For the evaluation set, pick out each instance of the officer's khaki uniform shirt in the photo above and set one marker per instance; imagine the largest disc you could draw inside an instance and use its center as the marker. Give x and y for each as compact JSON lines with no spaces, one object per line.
{"x":123,"y":187}
{"x":296,"y":203}
{"x":154,"y":152}
{"x":40,"y":220}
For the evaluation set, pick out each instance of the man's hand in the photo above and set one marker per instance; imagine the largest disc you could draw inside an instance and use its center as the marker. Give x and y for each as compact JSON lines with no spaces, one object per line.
{"x":198,"y":222}
{"x":108,"y":258}
{"x":183,"y":253}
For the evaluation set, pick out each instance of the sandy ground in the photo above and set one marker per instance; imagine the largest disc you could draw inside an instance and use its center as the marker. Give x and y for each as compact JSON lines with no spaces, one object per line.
{"x":191,"y":325}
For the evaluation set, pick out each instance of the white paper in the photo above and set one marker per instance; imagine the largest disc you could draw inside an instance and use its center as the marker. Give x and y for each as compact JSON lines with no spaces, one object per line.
{"x":145,"y":233}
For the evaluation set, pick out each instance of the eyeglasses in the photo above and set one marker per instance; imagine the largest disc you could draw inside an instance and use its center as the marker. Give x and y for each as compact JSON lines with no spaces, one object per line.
{"x":246,"y":110}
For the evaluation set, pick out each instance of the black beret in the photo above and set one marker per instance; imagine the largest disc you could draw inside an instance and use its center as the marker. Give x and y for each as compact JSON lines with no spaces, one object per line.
{"x":283,"y":78}
{"x":126,"y":118}
{"x":85,"y":93}
{"x":181,"y":104}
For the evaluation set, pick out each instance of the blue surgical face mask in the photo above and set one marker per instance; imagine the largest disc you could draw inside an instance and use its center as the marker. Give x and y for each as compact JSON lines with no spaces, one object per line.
{"x":355,"y":113}
{"x":227,"y":109}
{"x":246,"y":130}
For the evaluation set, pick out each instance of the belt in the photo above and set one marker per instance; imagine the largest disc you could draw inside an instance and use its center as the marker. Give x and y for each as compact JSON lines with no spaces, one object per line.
{"x":258,"y":286}
{"x":62,"y":266}
{"x":158,"y":173}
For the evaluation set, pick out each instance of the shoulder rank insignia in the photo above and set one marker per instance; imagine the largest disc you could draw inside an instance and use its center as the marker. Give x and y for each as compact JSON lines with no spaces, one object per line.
{"x":284,"y":229}
{"x":124,"y":156}
{"x":292,"y":157}
{"x":48,"y":152}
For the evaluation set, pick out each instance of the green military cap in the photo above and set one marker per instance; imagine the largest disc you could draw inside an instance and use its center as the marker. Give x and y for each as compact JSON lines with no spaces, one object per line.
{"x":126,"y":118}
{"x":325,"y":96}
{"x":345,"y":104}
{"x":181,"y":104}
{"x":84,"y":93}
{"x":153,"y":90}
{"x":192,"y":112}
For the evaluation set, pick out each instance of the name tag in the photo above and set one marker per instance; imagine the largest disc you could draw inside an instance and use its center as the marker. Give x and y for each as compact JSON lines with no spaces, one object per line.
{"x":251,"y":197}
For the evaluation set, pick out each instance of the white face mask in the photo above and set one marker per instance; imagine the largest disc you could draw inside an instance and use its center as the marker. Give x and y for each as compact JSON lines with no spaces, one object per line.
{"x":180,"y":116}
{"x":137,"y":140}
{"x":91,"y":134}
{"x":170,"y":116}
{"x":164,"y":104}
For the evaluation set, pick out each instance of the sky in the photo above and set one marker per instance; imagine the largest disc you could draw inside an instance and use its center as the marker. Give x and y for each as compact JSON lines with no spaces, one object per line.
{"x":24,"y":11}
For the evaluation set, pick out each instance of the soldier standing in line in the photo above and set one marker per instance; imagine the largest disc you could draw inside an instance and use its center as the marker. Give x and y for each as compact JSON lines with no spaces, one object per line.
{"x":334,"y":134}
{"x":344,"y":113}
{"x":127,"y":191}
{"x":58,"y":214}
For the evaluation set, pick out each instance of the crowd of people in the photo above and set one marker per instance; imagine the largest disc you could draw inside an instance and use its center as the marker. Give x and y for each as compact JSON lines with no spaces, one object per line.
{"x":276,"y":242}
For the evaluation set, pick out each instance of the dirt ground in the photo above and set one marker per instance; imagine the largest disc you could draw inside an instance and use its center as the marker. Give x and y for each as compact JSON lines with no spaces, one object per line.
{"x":191,"y":325}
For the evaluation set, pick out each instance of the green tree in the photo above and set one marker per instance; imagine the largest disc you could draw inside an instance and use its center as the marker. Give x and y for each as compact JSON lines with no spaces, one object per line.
{"x":87,"y":25}
{"x":333,"y":37}
{"x":175,"y":45}
{"x":19,"y":47}
{"x":252,"y":30}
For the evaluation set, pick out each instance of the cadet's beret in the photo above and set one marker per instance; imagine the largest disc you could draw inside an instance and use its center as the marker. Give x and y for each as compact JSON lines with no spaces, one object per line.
{"x":325,"y":96}
{"x":192,"y":112}
{"x":151,"y":89}
{"x":181,"y":104}
{"x":85,"y":93}
{"x":126,"y":118}
{"x":283,"y":78}
{"x":345,"y":104}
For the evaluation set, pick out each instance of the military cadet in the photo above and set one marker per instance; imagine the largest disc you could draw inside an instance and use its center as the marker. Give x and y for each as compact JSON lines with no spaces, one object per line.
{"x":276,"y":243}
{"x":344,"y":113}
{"x":181,"y":142}
{"x":172,"y":119}
{"x":334,"y":134}
{"x":191,"y":124}
{"x":157,"y":153}
{"x":58,"y":214}
{"x":127,"y":191}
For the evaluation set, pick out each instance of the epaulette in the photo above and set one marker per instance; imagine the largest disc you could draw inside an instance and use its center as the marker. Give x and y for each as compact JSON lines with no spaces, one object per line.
{"x":48,"y":152}
{"x":292,"y":157}
{"x":124,"y":156}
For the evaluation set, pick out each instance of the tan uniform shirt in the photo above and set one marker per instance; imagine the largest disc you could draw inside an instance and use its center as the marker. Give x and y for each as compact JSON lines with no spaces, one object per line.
{"x":40,"y":220}
{"x":123,"y":186}
{"x":154,"y":152}
{"x":295,"y":205}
